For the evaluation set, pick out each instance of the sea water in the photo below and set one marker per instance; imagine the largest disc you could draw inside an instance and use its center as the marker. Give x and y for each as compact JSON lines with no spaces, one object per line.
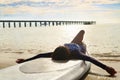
{"x":101,"y":39}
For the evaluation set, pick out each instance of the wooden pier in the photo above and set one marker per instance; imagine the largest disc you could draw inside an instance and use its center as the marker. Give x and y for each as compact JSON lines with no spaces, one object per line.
{"x":37,"y":23}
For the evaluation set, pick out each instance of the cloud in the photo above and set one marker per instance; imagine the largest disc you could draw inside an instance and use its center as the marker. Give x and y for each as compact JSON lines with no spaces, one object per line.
{"x":60,"y":9}
{"x":39,"y":6}
{"x":46,"y":3}
{"x":28,"y":3}
{"x":110,"y":6}
{"x":100,"y":1}
{"x":34,"y":3}
{"x":12,"y":1}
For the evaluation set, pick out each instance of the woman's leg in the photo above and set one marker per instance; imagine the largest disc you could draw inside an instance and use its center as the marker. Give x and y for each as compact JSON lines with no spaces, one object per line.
{"x":78,"y":40}
{"x":79,"y":37}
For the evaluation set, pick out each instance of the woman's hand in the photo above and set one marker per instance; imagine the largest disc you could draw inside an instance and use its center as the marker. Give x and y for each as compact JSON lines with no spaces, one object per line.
{"x":111,"y":71}
{"x":20,"y":60}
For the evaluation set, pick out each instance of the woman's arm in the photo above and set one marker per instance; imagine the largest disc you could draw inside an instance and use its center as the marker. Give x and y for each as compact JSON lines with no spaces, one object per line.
{"x":35,"y":57}
{"x":110,"y":70}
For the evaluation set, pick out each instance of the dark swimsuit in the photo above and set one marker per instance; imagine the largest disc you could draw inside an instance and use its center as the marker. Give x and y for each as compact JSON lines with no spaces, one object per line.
{"x":76,"y":50}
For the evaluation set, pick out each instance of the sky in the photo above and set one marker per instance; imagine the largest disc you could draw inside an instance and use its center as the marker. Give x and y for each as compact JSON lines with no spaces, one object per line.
{"x":107,"y":11}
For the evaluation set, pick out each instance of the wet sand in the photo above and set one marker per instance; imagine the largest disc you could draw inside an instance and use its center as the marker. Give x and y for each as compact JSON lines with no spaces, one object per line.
{"x":8,"y":57}
{"x":97,"y":73}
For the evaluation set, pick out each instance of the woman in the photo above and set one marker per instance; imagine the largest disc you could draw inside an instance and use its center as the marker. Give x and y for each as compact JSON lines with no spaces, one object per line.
{"x":74,"y":50}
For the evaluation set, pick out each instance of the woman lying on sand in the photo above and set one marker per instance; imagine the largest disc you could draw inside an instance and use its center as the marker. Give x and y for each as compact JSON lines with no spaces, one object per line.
{"x":74,"y":50}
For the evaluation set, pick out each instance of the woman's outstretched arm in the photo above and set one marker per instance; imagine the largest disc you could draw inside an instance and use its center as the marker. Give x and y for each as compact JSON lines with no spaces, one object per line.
{"x":35,"y":57}
{"x":110,"y":70}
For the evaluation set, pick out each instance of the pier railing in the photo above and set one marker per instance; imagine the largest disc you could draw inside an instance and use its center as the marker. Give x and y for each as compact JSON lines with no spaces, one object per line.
{"x":37,"y":23}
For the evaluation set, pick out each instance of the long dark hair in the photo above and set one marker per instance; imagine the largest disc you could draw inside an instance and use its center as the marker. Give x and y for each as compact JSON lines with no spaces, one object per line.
{"x":61,"y":53}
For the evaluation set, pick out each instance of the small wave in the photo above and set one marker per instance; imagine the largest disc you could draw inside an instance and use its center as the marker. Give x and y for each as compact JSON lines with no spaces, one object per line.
{"x":109,"y":60}
{"x":107,"y":55}
{"x":14,"y":52}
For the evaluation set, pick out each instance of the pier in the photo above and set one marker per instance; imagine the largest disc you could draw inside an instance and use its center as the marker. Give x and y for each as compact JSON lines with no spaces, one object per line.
{"x":37,"y":23}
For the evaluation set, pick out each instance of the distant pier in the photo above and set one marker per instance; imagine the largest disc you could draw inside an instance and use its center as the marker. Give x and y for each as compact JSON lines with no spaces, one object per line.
{"x":37,"y":23}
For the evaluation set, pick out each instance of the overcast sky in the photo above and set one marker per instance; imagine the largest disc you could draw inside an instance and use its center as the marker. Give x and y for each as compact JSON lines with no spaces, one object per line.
{"x":99,"y":10}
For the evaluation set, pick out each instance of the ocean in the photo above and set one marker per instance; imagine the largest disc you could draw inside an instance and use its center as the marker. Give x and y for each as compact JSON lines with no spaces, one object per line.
{"x":102,"y":39}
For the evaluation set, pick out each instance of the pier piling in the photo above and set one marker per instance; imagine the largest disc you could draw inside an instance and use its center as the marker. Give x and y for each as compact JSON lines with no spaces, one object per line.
{"x":26,"y":23}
